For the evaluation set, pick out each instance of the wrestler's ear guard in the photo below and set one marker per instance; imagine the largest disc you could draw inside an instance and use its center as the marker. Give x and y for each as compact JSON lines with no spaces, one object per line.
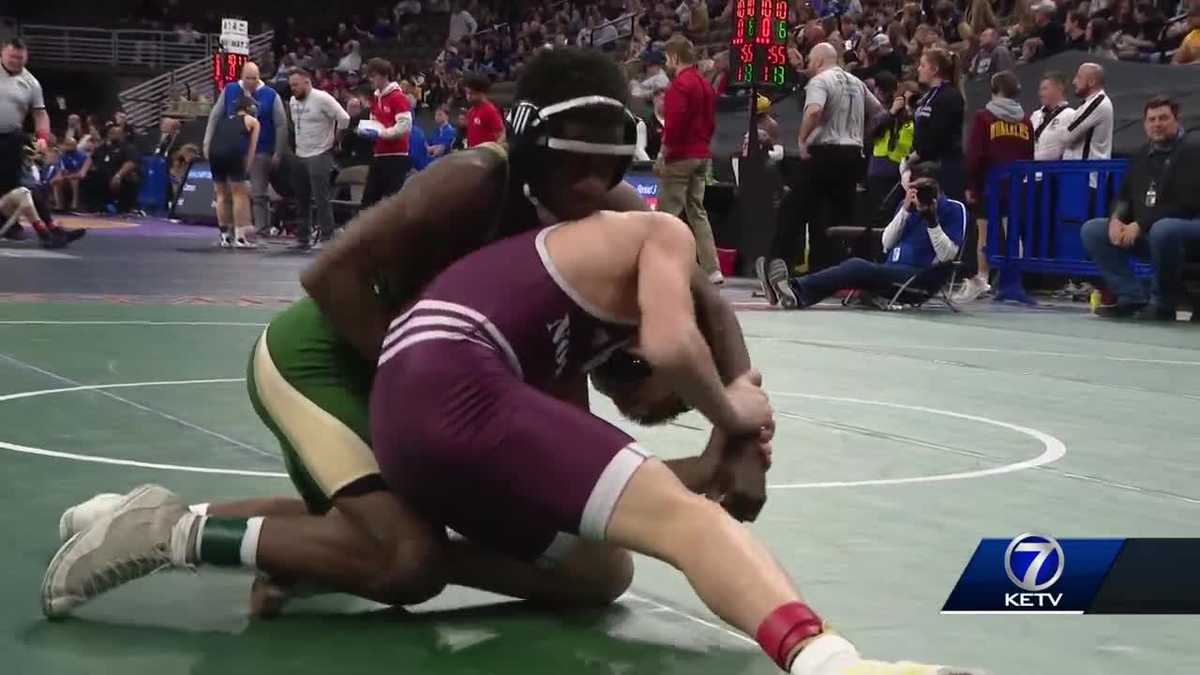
{"x":531,"y":130}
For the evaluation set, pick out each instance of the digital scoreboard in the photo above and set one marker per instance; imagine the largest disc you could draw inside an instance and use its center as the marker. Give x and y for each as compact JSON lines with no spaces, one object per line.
{"x":758,"y":54}
{"x":226,"y":68}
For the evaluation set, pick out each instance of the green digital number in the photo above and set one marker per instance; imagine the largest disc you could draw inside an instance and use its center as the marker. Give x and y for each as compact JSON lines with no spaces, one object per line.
{"x":781,"y":31}
{"x":779,"y":76}
{"x":748,"y":71}
{"x":751,"y":24}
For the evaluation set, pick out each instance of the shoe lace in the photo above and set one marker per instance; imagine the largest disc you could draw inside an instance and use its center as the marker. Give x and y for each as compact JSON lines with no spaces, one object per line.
{"x":125,"y":570}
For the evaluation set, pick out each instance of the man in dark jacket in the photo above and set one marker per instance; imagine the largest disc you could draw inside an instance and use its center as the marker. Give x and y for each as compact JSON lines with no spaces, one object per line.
{"x":1156,"y":216}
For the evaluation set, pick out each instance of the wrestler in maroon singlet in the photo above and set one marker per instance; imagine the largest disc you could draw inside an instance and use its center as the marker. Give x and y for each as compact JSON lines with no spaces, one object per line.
{"x":460,"y":421}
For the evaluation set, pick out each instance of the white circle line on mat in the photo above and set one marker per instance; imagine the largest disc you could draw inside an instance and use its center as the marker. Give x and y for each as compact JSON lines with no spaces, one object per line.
{"x":978,"y":350}
{"x":1053,"y":449}
{"x":30,"y":450}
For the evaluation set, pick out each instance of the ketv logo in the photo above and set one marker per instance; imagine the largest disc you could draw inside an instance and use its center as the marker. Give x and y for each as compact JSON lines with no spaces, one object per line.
{"x":1034,"y":563}
{"x":1033,"y":574}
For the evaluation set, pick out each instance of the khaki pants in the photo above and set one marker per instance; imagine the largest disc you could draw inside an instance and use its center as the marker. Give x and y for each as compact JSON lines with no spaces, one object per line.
{"x":682,"y":190}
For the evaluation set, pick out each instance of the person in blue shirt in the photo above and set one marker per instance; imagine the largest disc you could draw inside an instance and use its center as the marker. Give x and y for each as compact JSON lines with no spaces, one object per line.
{"x":443,"y":136}
{"x":926,"y":231}
{"x":70,"y":169}
{"x":418,"y":152}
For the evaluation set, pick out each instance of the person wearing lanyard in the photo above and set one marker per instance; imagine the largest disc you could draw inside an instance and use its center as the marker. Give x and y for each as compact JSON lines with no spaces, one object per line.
{"x":21,"y":96}
{"x":1156,"y":215}
{"x":938,"y":121}
{"x":317,"y":118}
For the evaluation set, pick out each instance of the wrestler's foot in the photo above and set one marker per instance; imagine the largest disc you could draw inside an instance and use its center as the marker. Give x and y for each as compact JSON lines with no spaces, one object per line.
{"x":831,"y":654}
{"x":151,"y":530}
{"x":81,"y":516}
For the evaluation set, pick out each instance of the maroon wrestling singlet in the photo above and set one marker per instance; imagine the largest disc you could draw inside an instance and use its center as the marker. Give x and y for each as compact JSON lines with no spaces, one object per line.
{"x":461,"y":423}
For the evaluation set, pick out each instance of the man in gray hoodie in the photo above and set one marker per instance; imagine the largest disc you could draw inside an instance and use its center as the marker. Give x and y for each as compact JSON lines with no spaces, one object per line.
{"x":1001,"y":133}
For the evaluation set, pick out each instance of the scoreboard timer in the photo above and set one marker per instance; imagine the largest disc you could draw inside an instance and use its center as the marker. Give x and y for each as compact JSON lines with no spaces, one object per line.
{"x":758,"y":50}
{"x":226,"y":68}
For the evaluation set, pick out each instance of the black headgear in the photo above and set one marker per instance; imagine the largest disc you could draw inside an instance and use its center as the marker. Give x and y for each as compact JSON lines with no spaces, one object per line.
{"x":533,"y":129}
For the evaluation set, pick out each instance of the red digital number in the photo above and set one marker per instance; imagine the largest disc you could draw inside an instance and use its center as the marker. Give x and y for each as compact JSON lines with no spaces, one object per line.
{"x":776,"y":55}
{"x":747,"y":54}
{"x":781,"y":10}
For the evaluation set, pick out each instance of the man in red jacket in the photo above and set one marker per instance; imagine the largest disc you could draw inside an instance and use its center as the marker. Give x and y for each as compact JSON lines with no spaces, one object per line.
{"x":392,"y":114}
{"x":484,"y":123}
{"x":689,"y":119}
{"x":1001,"y":133}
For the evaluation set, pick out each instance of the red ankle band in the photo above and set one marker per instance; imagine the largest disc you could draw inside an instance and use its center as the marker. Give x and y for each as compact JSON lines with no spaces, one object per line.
{"x":786,"y":627}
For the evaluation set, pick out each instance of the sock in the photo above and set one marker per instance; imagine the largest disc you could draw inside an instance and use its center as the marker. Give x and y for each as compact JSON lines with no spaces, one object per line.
{"x":226,"y":542}
{"x":827,"y":654}
{"x":786,"y":627}
{"x":199,"y":509}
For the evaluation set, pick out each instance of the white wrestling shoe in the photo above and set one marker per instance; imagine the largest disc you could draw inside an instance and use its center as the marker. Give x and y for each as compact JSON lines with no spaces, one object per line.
{"x":831,"y":654}
{"x":225,"y":241}
{"x":241,"y":240}
{"x":971,"y":290}
{"x":148,"y":532}
{"x":81,"y":516}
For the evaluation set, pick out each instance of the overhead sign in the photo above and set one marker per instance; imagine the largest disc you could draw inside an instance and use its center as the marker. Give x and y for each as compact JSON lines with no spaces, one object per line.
{"x":235,"y":36}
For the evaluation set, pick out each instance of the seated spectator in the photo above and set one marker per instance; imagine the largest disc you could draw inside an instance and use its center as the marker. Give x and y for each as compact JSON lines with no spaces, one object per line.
{"x":1156,"y":216}
{"x":406,"y":8}
{"x":991,"y":58}
{"x":1048,"y":37}
{"x":880,"y":58}
{"x":1099,"y":35}
{"x":656,"y":79}
{"x":70,"y":170}
{"x":351,"y":61}
{"x":1077,"y":28}
{"x":74,"y":129}
{"x":462,"y":25}
{"x":926,"y":231}
{"x":418,"y":150}
{"x":111,"y":174}
{"x":698,"y":19}
{"x":1189,"y":50}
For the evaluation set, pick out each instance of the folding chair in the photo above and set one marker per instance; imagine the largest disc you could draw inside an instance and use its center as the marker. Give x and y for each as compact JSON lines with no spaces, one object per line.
{"x":934,"y":283}
{"x":352,"y":182}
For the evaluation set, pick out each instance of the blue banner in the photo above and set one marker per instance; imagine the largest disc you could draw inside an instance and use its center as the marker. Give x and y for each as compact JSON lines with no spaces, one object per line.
{"x":1033,"y":574}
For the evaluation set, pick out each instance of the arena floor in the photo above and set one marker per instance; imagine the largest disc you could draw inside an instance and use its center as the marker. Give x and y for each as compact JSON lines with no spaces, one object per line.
{"x":903,"y":439}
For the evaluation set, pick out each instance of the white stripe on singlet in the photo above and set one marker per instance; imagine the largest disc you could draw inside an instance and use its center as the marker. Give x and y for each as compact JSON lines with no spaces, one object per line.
{"x":441,"y":321}
{"x":426,"y":335}
{"x":492,"y":333}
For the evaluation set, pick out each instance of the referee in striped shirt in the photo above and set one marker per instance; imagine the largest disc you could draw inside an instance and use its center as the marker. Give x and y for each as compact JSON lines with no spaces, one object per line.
{"x":20,"y":96}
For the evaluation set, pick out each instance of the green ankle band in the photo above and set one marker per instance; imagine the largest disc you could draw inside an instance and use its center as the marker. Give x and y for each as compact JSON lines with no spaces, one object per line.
{"x":221,"y":541}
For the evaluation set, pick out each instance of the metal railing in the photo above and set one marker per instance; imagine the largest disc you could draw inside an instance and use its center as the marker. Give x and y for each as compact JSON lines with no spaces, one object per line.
{"x":75,"y":45}
{"x":146,"y":102}
{"x":622,"y":28}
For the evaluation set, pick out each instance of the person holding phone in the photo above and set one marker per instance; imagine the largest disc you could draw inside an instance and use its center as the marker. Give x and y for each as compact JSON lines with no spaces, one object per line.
{"x":927,"y":230}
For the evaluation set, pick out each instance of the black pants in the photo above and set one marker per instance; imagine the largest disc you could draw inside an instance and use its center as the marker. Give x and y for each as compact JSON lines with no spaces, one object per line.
{"x":97,"y":193}
{"x":386,"y":177}
{"x":830,"y":177}
{"x":11,"y":160}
